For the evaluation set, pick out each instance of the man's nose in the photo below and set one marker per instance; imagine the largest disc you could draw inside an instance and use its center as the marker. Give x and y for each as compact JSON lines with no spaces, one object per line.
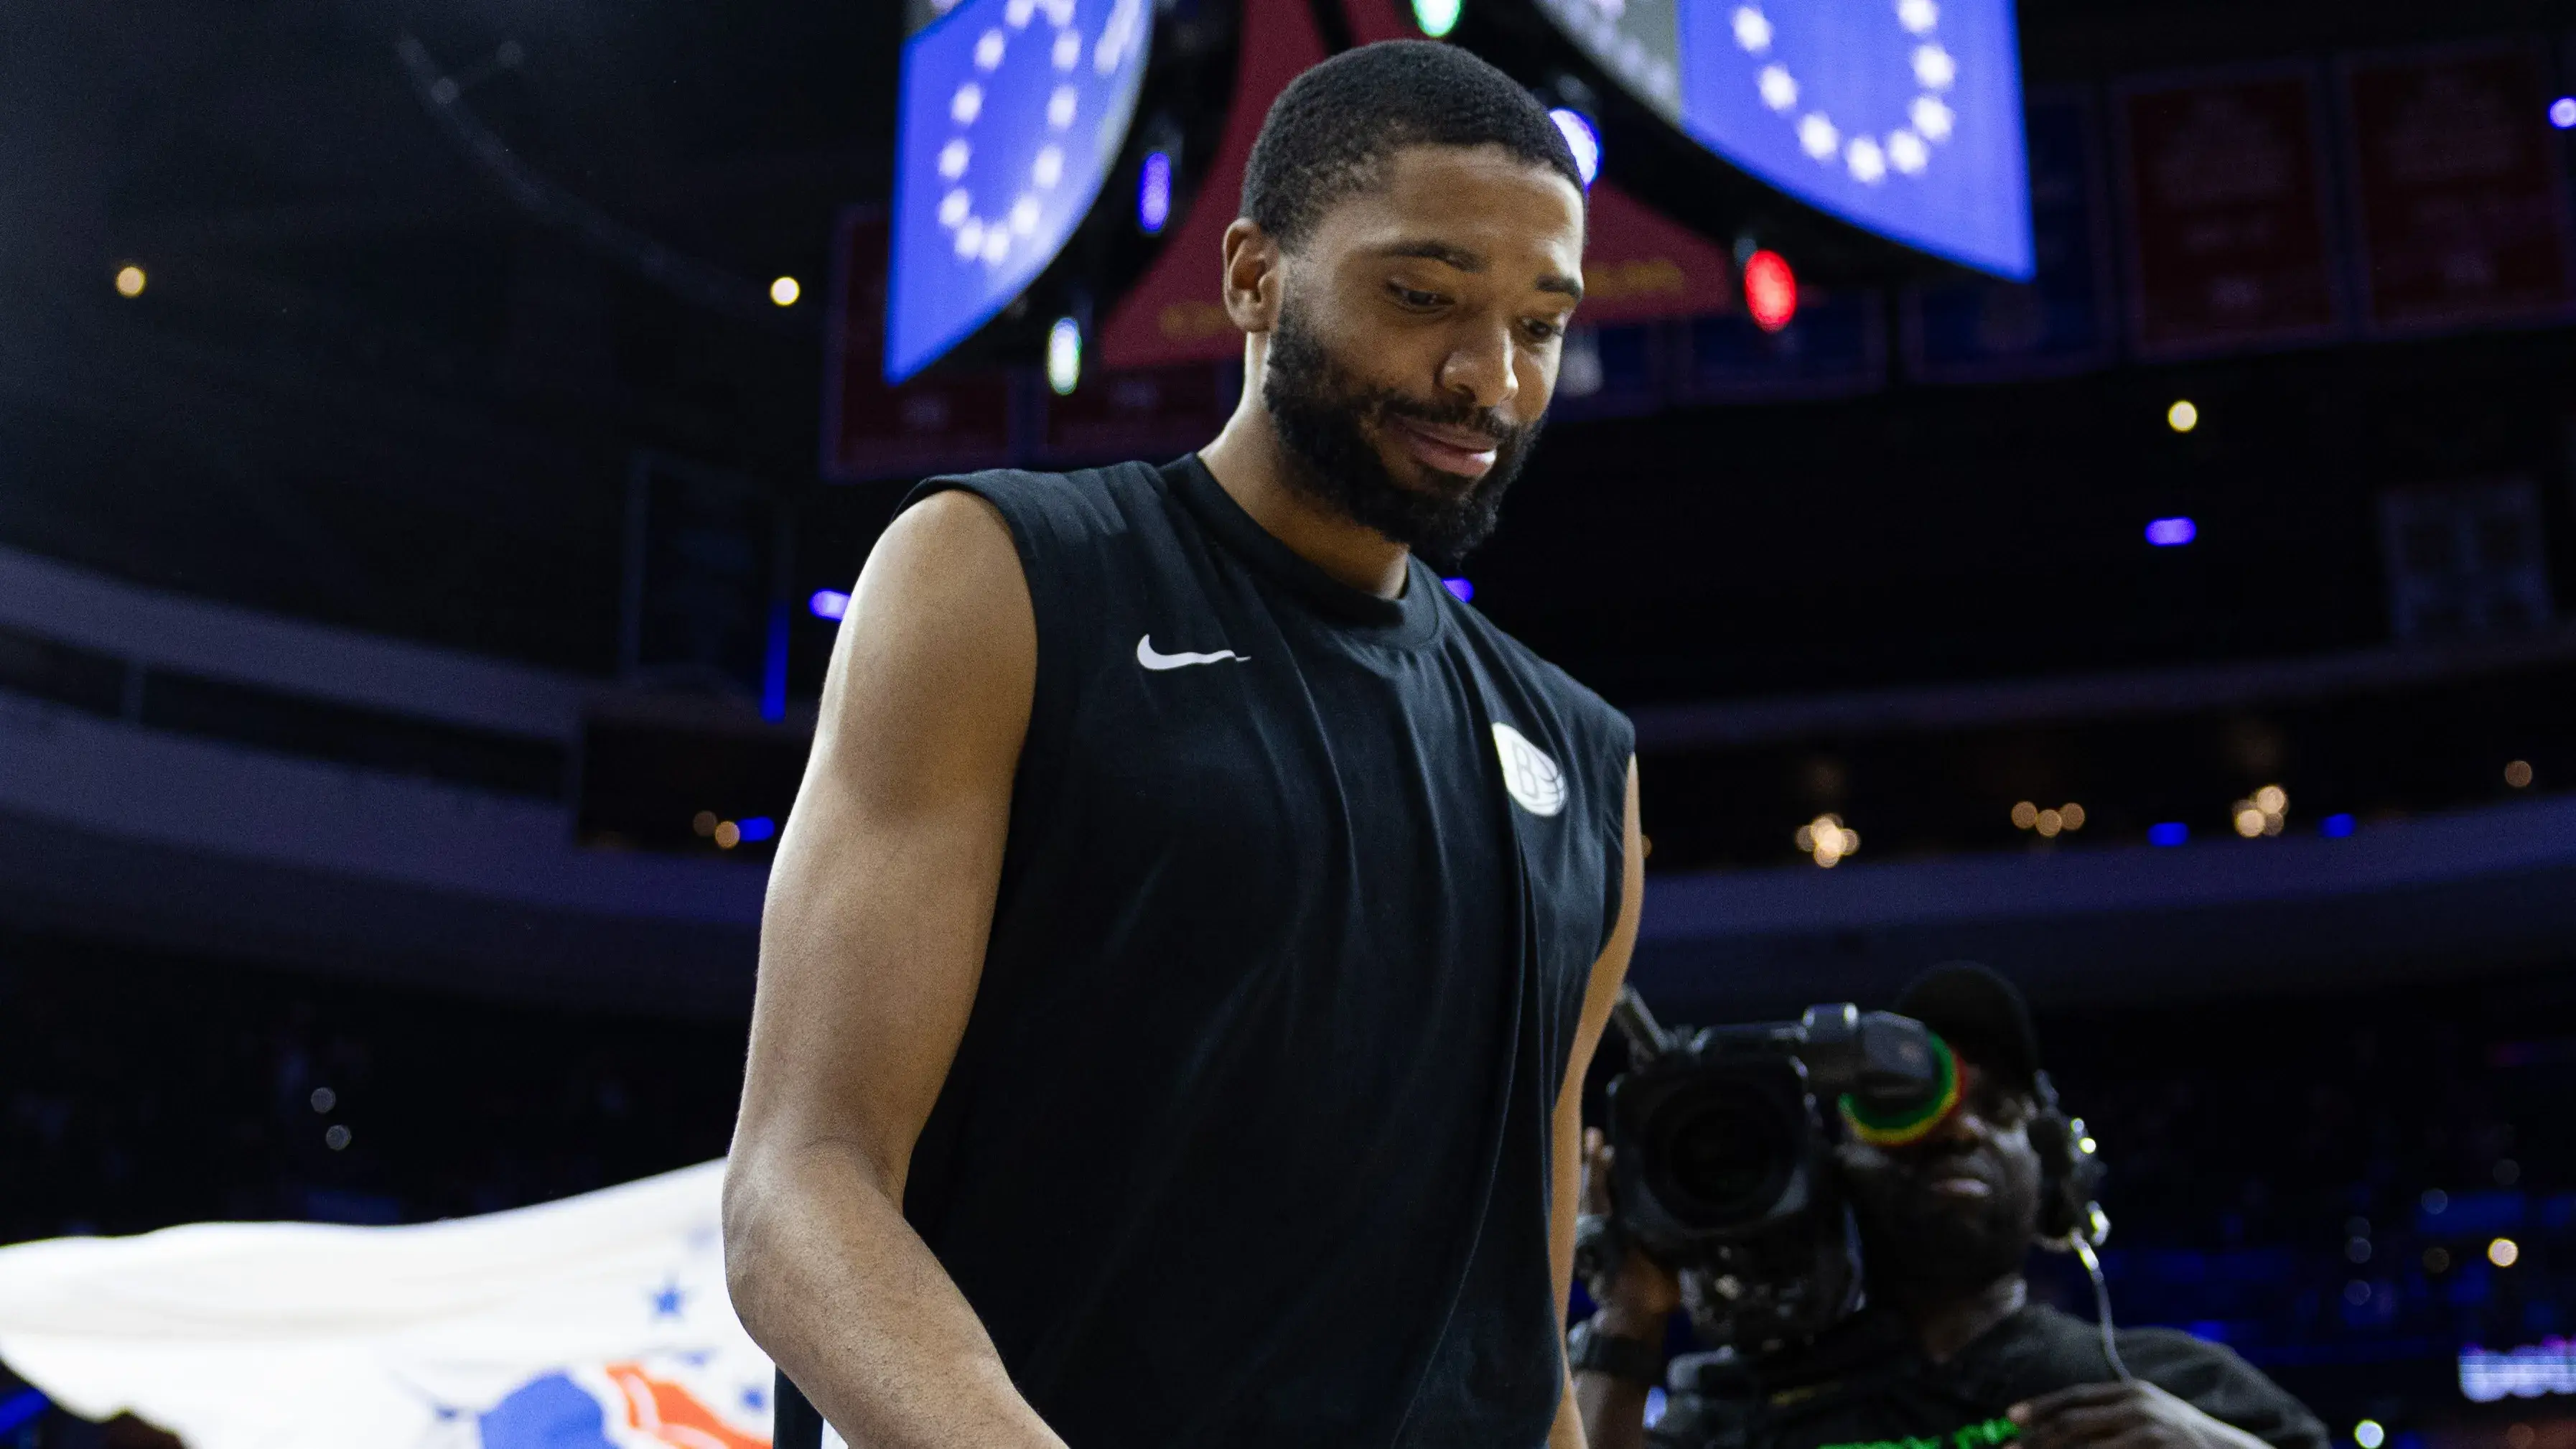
{"x":1481,"y":368}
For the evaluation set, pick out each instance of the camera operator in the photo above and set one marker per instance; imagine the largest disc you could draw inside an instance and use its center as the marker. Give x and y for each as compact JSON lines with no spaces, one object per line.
{"x":1948,"y":1351}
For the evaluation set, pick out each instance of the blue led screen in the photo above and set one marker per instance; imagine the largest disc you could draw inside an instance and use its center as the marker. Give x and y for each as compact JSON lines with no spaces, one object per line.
{"x":1011,"y":114}
{"x":1900,"y":116}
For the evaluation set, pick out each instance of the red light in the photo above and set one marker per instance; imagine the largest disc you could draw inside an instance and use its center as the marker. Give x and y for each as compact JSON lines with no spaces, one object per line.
{"x":1770,"y":290}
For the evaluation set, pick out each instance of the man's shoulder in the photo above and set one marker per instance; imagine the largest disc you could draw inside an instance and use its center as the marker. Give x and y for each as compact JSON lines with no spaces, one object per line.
{"x":2141,"y":1348}
{"x":1040,"y":505}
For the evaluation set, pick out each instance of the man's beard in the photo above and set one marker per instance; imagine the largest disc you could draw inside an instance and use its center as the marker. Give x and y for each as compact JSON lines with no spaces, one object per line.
{"x":1917,"y":1243}
{"x":1322,"y":415}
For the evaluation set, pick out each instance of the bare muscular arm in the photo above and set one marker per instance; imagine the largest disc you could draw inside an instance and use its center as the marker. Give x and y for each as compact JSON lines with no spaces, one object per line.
{"x":872,"y":944}
{"x":1566,"y":1160}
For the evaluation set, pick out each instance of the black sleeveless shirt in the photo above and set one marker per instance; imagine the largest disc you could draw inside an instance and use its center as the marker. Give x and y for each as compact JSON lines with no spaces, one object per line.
{"x":1246,"y":1144}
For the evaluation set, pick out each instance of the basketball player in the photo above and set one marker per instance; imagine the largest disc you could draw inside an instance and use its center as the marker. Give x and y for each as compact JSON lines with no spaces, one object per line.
{"x":1182,"y":961}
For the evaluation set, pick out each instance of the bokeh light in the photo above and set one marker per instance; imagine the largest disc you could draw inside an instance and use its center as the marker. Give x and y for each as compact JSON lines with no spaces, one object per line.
{"x":1064,"y":355}
{"x":1770,"y":290}
{"x":1827,"y":840}
{"x":1581,"y":139}
{"x":1154,"y":193}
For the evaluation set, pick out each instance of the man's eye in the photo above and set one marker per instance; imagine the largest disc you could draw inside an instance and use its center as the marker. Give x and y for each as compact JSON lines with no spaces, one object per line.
{"x":1544,"y":331}
{"x":1412,"y":298}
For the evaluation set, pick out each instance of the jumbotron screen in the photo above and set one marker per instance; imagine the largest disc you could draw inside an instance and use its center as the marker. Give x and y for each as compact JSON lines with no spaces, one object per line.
{"x":1011,"y":114}
{"x":1900,"y":116}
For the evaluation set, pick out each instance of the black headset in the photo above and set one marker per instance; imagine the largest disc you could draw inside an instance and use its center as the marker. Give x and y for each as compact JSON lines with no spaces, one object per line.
{"x":2070,"y":1220}
{"x":2070,"y":1174}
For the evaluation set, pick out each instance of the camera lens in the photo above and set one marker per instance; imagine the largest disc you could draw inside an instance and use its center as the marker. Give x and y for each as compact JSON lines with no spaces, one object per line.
{"x":1723,"y":1158}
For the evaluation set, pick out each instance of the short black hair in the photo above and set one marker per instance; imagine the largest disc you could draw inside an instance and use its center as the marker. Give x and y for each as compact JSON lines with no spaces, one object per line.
{"x":1332,"y":128}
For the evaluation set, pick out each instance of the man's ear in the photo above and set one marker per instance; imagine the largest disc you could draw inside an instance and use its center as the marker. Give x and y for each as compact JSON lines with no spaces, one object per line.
{"x":1252,"y":280}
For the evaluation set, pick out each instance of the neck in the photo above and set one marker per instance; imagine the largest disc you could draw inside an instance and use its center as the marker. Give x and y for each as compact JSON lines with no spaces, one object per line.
{"x":1250,"y":462}
{"x":1946,"y":1322}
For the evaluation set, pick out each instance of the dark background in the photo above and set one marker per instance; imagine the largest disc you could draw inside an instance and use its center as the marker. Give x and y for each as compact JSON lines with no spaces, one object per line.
{"x":363,"y":387}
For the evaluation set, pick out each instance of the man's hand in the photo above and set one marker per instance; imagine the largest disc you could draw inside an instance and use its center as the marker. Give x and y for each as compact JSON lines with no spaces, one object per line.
{"x":2134,"y":1415}
{"x":1643,"y":1293}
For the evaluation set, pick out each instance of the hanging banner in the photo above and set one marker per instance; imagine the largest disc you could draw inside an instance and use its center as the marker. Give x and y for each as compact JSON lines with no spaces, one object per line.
{"x":932,"y":424}
{"x":1175,"y":313}
{"x":2458,"y":199}
{"x":1641,"y":266}
{"x":2062,"y":320}
{"x":1152,"y":413}
{"x":596,"y":1322}
{"x":1836,"y":346}
{"x":2228,"y":240}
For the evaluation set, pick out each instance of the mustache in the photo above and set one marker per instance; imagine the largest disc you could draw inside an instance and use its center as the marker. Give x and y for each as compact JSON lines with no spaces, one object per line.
{"x":1461,"y":414}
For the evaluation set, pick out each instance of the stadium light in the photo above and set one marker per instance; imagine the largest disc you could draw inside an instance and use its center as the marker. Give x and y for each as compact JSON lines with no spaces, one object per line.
{"x":1770,"y":290}
{"x":1064,"y":355}
{"x":1582,"y":139}
{"x":1154,"y":193}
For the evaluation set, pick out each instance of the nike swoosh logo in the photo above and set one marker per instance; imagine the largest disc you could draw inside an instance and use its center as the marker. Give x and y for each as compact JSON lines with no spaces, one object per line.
{"x":1148,"y":656}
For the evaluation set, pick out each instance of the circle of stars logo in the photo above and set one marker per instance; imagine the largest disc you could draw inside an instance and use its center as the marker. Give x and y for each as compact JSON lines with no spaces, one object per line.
{"x":991,"y":234}
{"x":1905,"y":149}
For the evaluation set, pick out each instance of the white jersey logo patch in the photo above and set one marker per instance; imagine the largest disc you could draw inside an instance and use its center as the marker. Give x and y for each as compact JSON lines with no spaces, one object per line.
{"x":1535,"y":783}
{"x":1153,"y":658}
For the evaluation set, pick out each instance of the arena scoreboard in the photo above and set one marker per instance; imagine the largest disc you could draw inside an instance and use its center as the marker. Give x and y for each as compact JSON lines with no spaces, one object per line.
{"x":1901,"y":117}
{"x":1010,"y":117}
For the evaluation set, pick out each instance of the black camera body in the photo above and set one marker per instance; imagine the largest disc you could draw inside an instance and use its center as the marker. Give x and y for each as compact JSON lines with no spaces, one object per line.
{"x":1724,"y":1159}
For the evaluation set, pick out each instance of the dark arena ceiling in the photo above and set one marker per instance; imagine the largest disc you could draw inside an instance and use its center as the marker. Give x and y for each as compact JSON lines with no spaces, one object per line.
{"x":367,"y":384}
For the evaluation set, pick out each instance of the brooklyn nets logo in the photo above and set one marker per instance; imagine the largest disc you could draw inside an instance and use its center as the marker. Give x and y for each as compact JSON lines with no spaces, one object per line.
{"x":1535,"y":783}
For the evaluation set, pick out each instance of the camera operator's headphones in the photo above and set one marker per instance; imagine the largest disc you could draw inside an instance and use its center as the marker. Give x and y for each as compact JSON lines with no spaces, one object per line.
{"x":2070,"y":1174}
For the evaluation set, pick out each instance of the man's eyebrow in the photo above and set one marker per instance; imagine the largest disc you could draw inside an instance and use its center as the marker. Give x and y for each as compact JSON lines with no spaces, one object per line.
{"x":1450,"y":254}
{"x":1436,"y":251}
